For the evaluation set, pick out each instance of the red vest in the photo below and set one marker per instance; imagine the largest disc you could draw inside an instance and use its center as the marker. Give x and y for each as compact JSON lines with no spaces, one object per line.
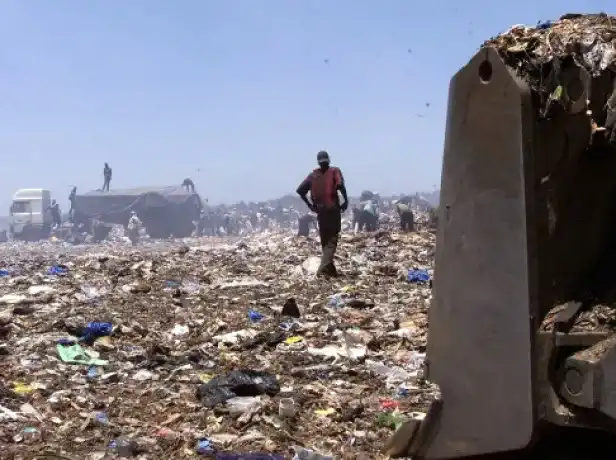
{"x":324,"y":187}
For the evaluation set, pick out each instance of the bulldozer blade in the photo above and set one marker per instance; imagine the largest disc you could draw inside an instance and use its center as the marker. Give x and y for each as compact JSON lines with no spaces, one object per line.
{"x":480,"y":336}
{"x":400,"y":443}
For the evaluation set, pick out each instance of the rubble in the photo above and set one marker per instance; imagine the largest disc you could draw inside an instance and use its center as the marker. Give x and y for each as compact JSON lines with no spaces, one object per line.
{"x":113,"y":345}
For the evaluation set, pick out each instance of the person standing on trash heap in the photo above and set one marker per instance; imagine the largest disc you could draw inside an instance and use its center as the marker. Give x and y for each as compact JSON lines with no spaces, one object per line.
{"x":254,"y":220}
{"x":369,"y":215}
{"x":323,"y":184}
{"x":134,"y":226}
{"x":56,"y":214}
{"x":407,"y":220}
{"x":433,"y":218}
{"x":355,"y":221}
{"x":189,"y":185}
{"x":200,"y":224}
{"x":71,"y":200}
{"x":303,"y":224}
{"x":106,"y":177}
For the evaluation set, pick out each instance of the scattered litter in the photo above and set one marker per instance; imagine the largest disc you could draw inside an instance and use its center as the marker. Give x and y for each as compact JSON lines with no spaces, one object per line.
{"x":74,"y":354}
{"x":418,"y":276}
{"x":113,"y":342}
{"x":58,"y":270}
{"x":237,"y":383}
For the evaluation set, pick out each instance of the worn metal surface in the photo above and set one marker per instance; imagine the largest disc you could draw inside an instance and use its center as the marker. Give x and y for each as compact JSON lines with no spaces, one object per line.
{"x":480,"y":336}
{"x":590,"y":378}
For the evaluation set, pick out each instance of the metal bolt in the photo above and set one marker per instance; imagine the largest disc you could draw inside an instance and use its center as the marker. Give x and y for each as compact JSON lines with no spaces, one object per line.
{"x":574,"y":381}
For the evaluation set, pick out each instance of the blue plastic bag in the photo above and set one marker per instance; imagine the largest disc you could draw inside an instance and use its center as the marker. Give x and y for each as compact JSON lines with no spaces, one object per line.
{"x":58,"y":270}
{"x":95,"y":330}
{"x":255,"y":316}
{"x":204,"y":446}
{"x":418,"y":276}
{"x":4,"y":272}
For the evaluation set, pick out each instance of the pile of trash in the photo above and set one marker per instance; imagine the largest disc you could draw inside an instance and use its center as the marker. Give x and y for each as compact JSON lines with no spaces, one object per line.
{"x":213,"y":348}
{"x":593,"y":318}
{"x":588,"y":39}
{"x":568,"y":63}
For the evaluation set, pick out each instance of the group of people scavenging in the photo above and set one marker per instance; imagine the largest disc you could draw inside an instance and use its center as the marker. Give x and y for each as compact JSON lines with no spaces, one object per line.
{"x":366,"y":215}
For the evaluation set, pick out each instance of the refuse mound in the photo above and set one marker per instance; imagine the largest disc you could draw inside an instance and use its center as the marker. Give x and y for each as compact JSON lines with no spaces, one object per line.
{"x":212,"y":347}
{"x":569,"y":65}
{"x":587,"y":39}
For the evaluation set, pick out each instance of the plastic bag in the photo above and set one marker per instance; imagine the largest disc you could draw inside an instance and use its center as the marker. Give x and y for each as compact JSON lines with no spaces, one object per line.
{"x":418,"y":276}
{"x":58,"y":270}
{"x":95,"y":330}
{"x":237,"y":383}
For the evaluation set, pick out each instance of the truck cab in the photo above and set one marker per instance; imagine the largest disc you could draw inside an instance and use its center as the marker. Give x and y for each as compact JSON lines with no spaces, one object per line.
{"x":29,"y":216}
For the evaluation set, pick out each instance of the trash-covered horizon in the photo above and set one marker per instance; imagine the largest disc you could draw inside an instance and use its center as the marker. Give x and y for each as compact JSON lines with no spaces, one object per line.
{"x":432,"y":197}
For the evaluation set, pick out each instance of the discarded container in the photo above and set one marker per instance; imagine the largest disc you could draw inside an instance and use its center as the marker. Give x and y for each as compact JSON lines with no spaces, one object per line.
{"x":92,"y":372}
{"x":286,"y":408}
{"x":204,"y":447}
{"x":337,"y":300}
{"x":101,"y":419}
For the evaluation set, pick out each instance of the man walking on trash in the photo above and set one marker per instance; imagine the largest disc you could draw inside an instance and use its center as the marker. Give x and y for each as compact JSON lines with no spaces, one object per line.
{"x":323,"y":184}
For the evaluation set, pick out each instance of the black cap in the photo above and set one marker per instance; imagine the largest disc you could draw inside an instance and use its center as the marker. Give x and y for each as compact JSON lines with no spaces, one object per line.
{"x":322,"y":157}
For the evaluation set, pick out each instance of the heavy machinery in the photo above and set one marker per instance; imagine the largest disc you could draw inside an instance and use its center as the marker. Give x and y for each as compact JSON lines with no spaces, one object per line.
{"x":29,"y":216}
{"x":164,"y":211}
{"x":525,"y":247}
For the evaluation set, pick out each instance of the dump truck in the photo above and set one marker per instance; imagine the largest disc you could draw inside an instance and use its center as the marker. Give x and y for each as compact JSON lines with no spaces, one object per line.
{"x":164,"y":211}
{"x":521,"y":340}
{"x":29,"y":215}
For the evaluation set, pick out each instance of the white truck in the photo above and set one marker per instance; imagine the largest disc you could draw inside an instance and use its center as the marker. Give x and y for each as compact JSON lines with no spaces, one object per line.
{"x":29,"y":217}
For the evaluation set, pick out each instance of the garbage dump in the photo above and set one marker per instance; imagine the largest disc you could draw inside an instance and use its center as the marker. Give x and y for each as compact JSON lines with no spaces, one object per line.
{"x":212,"y":346}
{"x":566,"y":70}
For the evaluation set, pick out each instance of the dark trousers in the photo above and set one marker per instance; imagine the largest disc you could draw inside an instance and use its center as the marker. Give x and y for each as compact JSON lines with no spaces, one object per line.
{"x":303,"y":226}
{"x":330,"y":223}
{"x":407,"y":221}
{"x":106,"y":184}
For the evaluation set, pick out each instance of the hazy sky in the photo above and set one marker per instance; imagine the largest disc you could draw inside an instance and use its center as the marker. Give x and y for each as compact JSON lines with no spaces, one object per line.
{"x":237,"y":94}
